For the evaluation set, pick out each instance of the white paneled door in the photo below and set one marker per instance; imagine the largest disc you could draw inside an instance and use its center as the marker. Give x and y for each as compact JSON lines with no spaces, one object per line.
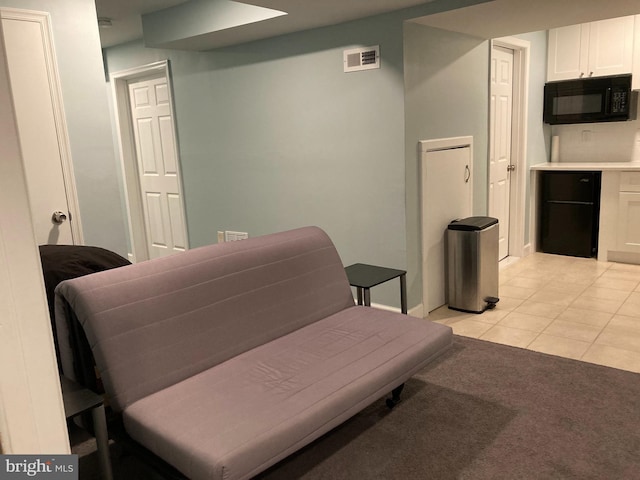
{"x":41,"y":127}
{"x":500,"y":125}
{"x":157,"y":162}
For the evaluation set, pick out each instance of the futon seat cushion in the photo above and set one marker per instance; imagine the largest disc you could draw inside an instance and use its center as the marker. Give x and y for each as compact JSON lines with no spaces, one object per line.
{"x":236,"y":419}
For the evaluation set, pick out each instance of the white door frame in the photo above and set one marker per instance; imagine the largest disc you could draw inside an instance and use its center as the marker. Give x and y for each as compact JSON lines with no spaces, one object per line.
{"x":64,"y":144}
{"x":521,"y":53}
{"x":126,"y":143}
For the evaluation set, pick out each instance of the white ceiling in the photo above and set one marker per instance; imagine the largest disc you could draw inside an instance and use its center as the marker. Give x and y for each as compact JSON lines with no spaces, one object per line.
{"x":301,"y":15}
{"x":492,"y":19}
{"x":126,"y":18}
{"x":499,"y":18}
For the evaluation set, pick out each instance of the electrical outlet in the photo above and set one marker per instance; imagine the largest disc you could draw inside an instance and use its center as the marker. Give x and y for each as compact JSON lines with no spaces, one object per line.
{"x":233,"y":236}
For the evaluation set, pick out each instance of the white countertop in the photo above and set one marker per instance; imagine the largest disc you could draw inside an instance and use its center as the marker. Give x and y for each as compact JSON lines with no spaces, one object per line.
{"x":588,"y":166}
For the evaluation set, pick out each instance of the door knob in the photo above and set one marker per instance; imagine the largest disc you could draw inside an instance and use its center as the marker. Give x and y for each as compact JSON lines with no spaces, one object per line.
{"x":58,"y":217}
{"x":511,"y":167}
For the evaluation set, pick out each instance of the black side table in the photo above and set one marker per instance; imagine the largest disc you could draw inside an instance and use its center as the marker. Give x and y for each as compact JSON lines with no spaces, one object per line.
{"x":78,"y":400}
{"x":363,"y":277}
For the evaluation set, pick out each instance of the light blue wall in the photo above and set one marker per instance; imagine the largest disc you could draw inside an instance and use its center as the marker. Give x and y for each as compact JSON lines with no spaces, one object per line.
{"x":538,"y":134}
{"x":77,"y":46}
{"x":447,"y":89}
{"x":274,"y":135}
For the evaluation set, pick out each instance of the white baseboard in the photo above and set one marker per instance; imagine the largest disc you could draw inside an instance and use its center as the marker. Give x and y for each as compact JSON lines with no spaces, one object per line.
{"x":414,"y":312}
{"x":388,"y":308}
{"x":417,"y":311}
{"x":526,"y":250}
{"x":623,"y":257}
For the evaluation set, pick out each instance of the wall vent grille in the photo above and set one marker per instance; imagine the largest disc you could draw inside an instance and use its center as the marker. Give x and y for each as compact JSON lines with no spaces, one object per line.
{"x":365,"y":58}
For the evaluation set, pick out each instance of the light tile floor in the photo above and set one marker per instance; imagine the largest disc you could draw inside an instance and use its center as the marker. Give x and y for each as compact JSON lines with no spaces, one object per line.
{"x":571,"y":307}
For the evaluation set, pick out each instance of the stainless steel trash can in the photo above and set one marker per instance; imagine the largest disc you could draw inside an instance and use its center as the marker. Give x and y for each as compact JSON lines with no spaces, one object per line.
{"x":472,"y":264}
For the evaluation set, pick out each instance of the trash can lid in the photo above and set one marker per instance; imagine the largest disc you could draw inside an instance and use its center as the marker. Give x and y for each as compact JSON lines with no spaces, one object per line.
{"x":471,"y":224}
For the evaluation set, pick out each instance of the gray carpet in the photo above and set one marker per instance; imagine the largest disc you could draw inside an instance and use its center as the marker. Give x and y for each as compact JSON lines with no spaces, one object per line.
{"x":482,"y":411}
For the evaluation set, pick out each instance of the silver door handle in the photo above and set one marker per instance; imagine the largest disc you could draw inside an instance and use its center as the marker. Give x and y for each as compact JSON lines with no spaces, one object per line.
{"x":58,"y":217}
{"x":511,"y":167}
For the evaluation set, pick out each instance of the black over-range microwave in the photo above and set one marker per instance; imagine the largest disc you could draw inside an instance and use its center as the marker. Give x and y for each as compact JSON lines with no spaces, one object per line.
{"x":589,"y":100}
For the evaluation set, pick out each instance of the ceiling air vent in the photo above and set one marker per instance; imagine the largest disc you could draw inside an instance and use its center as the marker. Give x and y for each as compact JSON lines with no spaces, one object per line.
{"x":365,"y":58}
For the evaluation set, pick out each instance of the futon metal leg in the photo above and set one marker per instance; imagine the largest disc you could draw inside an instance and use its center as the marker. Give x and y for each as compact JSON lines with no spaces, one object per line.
{"x":395,"y":396}
{"x":102,"y":441}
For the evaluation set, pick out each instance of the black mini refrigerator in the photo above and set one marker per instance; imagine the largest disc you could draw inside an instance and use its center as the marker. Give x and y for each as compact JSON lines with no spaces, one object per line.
{"x":569,"y":211}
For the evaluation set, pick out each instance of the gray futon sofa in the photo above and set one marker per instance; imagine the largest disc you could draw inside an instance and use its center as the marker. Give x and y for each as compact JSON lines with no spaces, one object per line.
{"x":225,"y":359}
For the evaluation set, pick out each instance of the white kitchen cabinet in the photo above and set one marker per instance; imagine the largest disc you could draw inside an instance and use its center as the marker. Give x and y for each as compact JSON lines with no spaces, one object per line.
{"x":630,"y":181}
{"x":629,"y":222}
{"x":592,"y":49}
{"x":568,"y":52}
{"x":629,"y":212}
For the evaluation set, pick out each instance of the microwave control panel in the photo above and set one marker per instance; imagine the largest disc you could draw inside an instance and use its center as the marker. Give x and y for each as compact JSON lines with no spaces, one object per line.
{"x":619,"y":101}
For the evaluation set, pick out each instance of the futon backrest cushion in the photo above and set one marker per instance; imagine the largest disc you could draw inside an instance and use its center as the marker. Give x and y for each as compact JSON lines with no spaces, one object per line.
{"x":156,"y":323}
